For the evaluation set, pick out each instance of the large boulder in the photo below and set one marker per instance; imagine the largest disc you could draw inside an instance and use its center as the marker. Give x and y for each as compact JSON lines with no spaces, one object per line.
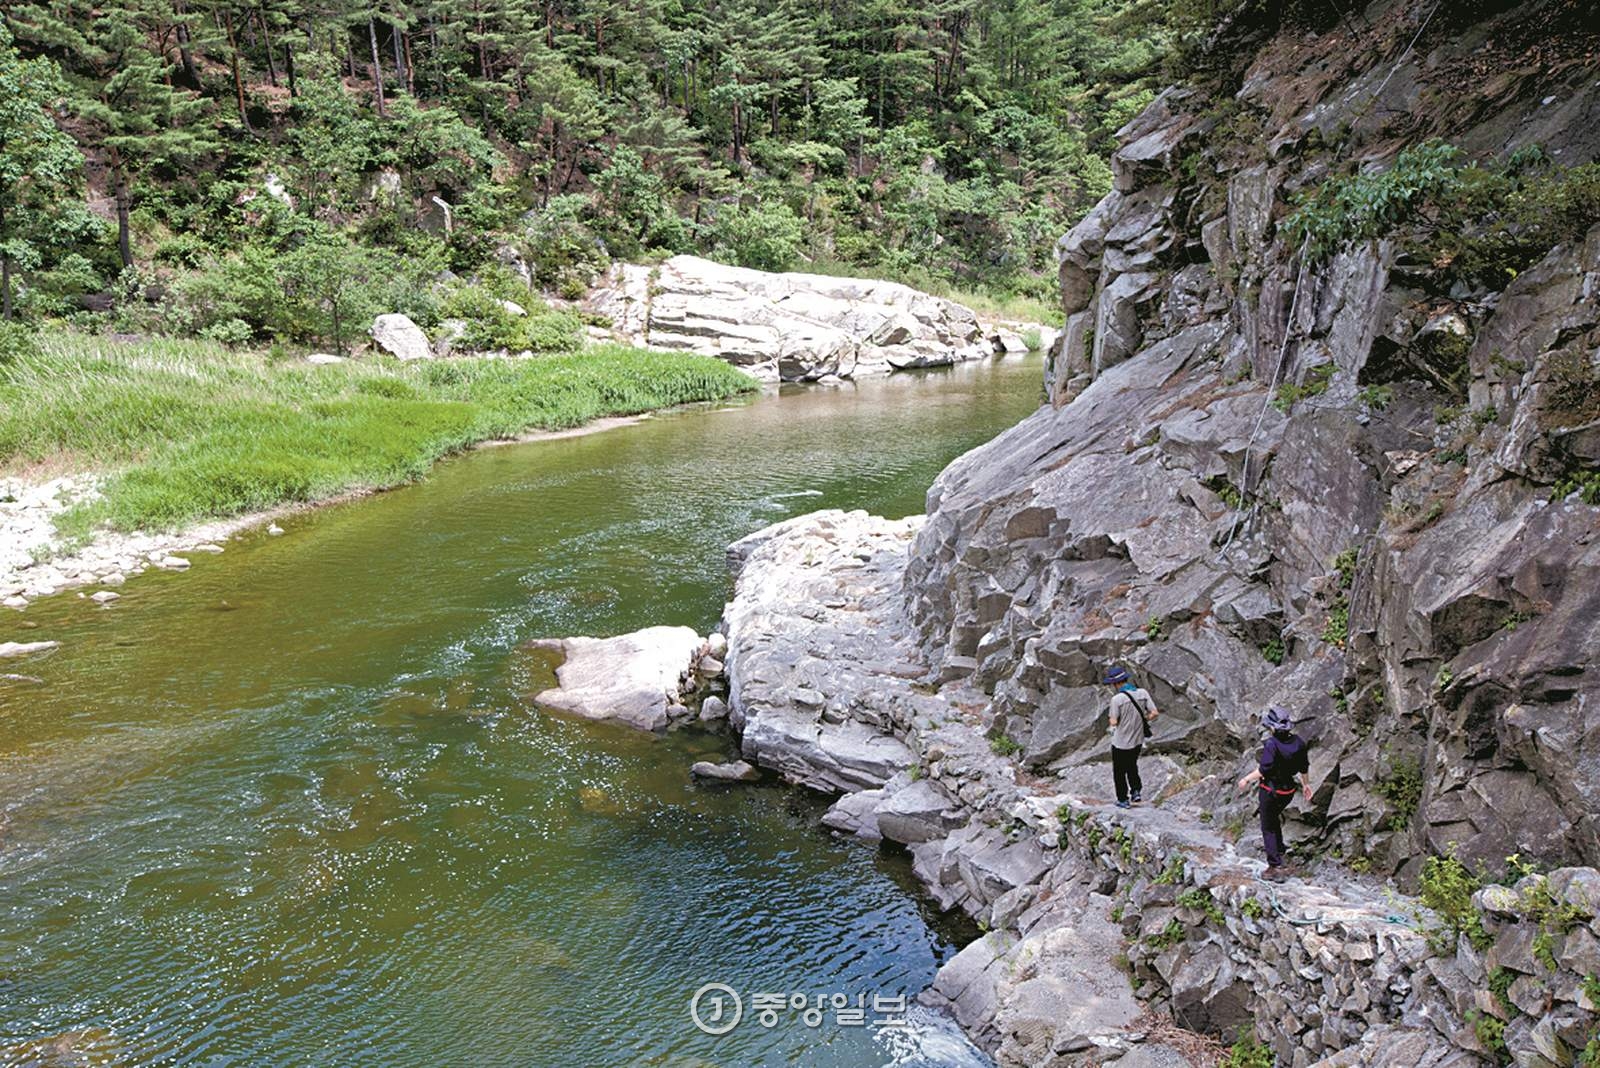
{"x":790,"y":326}
{"x":401,"y":338}
{"x":633,"y":679}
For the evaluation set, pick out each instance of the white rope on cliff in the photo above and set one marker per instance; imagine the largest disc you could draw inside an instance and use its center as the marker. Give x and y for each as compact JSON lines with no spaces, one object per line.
{"x":1272,"y":385}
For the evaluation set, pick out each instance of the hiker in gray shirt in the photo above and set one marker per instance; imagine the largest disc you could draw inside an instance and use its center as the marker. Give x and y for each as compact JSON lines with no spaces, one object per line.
{"x":1130,"y":716}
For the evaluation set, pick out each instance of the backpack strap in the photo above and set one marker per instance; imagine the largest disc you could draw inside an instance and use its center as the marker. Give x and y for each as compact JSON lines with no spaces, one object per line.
{"x":1138,"y":705}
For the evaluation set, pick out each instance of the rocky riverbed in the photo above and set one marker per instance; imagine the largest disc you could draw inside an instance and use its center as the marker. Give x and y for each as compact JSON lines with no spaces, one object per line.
{"x":37,"y":561}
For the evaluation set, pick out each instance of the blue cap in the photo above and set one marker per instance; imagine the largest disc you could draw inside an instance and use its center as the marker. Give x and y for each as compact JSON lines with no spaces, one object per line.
{"x":1117,"y":674}
{"x":1277,"y":719}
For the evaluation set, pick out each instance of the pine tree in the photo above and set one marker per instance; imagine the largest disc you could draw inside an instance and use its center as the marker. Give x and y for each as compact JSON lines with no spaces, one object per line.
{"x":127,"y":98}
{"x":38,"y":162}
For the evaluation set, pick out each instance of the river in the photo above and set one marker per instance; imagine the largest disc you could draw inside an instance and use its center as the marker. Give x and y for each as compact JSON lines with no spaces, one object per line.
{"x":291,"y":806}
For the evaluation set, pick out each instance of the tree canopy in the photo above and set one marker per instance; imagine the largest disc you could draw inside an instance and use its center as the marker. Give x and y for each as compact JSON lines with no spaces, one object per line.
{"x":938,"y":141}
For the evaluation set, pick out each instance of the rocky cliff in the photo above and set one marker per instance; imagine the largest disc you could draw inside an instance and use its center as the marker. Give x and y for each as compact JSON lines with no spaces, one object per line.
{"x":1325,"y":474}
{"x":1322,"y":431}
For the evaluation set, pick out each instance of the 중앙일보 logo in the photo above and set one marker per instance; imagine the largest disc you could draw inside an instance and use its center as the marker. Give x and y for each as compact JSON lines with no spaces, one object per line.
{"x":717,"y":1008}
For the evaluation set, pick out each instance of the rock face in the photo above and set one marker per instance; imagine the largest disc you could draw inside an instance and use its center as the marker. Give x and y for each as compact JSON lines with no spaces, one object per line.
{"x":636,"y":679}
{"x":1327,"y":484}
{"x":1329,"y":970}
{"x":793,"y":327}
{"x":401,"y":338}
{"x":791,"y":665}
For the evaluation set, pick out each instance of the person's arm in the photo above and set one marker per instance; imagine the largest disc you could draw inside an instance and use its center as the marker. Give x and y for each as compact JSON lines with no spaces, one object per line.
{"x":1305,"y":785}
{"x":1111,"y":716}
{"x":1267,"y":755}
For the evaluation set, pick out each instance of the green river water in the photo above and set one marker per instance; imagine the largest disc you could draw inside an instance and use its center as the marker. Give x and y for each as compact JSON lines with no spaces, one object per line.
{"x":291,"y":807}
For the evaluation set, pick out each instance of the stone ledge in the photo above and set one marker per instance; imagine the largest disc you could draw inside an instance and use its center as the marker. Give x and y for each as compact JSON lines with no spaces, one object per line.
{"x":1328,"y":972}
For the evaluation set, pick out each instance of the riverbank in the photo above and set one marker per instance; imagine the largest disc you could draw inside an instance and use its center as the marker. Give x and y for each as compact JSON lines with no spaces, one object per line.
{"x":122,"y":455}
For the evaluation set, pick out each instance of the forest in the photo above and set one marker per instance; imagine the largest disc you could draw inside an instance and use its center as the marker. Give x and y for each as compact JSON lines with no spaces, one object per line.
{"x":279,"y":171}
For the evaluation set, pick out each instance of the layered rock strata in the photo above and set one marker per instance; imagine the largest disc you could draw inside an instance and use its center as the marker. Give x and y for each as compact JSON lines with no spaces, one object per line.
{"x":790,"y":326}
{"x":1329,"y":970}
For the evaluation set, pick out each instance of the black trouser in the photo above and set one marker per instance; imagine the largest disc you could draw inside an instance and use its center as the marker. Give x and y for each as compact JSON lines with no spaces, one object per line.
{"x":1272,"y":805}
{"x":1125,"y":771}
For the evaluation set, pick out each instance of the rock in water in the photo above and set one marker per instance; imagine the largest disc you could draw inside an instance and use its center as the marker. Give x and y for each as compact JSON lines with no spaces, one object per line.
{"x":1009,"y":341}
{"x":633,"y":679}
{"x":794,"y":327}
{"x":15,"y":649}
{"x":401,"y":338}
{"x":733,"y":771}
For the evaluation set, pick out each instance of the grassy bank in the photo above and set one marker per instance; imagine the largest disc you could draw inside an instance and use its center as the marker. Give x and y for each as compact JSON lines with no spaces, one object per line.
{"x":192,"y":430}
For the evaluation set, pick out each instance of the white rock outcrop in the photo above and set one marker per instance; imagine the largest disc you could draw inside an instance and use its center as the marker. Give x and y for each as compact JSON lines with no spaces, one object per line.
{"x":401,"y":338}
{"x":792,"y":326}
{"x":635,"y":679}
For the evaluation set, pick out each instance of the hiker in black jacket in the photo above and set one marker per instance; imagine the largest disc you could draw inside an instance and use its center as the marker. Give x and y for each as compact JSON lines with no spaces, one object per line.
{"x":1284,"y":765}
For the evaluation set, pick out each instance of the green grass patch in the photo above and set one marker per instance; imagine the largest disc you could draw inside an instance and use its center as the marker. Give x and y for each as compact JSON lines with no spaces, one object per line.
{"x":193,"y":431}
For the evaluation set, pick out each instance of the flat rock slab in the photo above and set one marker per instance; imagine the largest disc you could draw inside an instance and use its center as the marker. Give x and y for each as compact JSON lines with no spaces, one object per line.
{"x":631,"y":679}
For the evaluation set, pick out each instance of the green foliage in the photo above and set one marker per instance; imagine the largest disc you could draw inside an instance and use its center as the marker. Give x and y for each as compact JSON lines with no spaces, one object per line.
{"x":1586,"y":484}
{"x":1173,"y":873}
{"x":1481,"y":223}
{"x":1248,"y":1052}
{"x":201,"y":432}
{"x":491,"y":326}
{"x":1345,"y":563}
{"x":1401,"y":787}
{"x":1272,"y":651}
{"x":1170,"y":935}
{"x":1589,"y":1057}
{"x":39,"y":165}
{"x":1368,"y":205}
{"x":1202,"y":901}
{"x":1153,"y":628}
{"x":1254,"y":908}
{"x":1001,"y":745}
{"x":1314,"y":384}
{"x":1231,"y":495}
{"x":948,"y":143}
{"x":1377,"y":398}
{"x":765,"y":236}
{"x":1336,"y":630}
{"x":1446,"y":886}
{"x":1491,"y":1035}
{"x":17,"y":342}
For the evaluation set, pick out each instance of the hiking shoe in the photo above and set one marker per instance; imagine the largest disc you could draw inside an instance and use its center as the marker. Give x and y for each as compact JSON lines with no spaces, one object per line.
{"x":1124,"y":804}
{"x":1275,"y":875}
{"x":1137,"y":797}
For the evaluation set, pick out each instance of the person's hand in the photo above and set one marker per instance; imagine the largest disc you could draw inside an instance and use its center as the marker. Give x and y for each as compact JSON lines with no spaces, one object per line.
{"x":1307,"y":791}
{"x":1244,"y":784}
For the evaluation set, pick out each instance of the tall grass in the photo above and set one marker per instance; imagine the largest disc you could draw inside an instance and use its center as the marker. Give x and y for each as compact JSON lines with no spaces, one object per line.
{"x":192,"y":430}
